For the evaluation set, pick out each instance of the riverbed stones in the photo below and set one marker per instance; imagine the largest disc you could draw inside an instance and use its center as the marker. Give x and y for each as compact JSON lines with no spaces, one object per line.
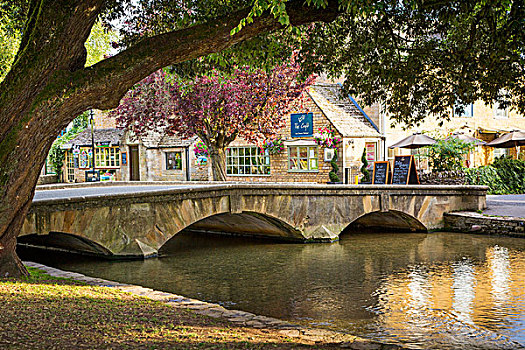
{"x":237,"y":317}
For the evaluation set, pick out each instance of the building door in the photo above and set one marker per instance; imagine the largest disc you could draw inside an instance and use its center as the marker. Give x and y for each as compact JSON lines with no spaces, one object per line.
{"x":134,"y":174}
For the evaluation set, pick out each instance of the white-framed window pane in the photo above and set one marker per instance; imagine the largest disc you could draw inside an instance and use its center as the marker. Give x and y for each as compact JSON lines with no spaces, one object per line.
{"x":500,"y":112}
{"x":501,"y":152}
{"x":468,"y":110}
{"x":247,"y":161}
{"x":303,"y":158}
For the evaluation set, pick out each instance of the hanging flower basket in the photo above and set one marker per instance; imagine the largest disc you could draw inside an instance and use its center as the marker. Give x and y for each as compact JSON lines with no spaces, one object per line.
{"x":200,"y":149}
{"x":325,"y":137}
{"x":274,"y":146}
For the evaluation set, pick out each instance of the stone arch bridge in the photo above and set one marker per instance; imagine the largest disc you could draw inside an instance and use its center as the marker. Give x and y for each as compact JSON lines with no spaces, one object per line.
{"x":137,"y":224}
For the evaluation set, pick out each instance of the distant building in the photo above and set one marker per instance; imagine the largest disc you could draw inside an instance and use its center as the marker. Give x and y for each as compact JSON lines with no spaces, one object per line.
{"x":479,"y":120}
{"x":109,"y":153}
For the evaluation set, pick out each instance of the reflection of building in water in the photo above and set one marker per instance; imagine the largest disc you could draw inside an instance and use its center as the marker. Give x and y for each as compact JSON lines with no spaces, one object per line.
{"x":498,"y":259}
{"x":463,"y":289}
{"x":418,"y":290}
{"x":456,"y":299}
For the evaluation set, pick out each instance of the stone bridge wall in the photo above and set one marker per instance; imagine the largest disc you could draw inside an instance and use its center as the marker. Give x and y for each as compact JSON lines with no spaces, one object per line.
{"x":139,"y":224}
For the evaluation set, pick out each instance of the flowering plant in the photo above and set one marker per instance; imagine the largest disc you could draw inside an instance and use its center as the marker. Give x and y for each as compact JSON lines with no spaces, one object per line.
{"x":326,"y":137}
{"x":200,"y":149}
{"x":273,"y":146}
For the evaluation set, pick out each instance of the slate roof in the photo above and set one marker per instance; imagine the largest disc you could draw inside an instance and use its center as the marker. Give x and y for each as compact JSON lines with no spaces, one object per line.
{"x":156,"y":139}
{"x":341,"y":111}
{"x":114,"y":136}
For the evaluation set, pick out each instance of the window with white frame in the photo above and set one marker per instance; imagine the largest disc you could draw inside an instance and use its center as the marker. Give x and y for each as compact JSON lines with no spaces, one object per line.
{"x":303,"y":158}
{"x":70,"y":167}
{"x":247,"y":161}
{"x":107,"y":157}
{"x":500,"y":112}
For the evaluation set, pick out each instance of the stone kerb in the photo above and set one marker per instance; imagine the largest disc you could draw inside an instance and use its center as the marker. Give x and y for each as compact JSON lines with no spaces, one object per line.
{"x":140,"y":223}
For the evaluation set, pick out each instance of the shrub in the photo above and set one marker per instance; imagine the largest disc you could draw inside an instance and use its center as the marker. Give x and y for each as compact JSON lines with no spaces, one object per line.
{"x":364,"y":168}
{"x":504,"y":176}
{"x":446,"y":155}
{"x":335,"y":168}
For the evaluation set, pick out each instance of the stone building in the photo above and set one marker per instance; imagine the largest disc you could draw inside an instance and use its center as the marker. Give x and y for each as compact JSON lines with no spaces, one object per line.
{"x":303,"y":160}
{"x":479,"y":120}
{"x":122,"y":157}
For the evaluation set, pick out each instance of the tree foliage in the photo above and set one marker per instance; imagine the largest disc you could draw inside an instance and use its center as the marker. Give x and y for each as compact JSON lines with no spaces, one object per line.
{"x":425,"y":57}
{"x":218,"y":108}
{"x":56,"y":153}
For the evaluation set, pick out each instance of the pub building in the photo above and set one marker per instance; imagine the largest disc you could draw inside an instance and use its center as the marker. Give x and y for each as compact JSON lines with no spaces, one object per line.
{"x":108,"y":155}
{"x":122,"y":157}
{"x":302,"y":157}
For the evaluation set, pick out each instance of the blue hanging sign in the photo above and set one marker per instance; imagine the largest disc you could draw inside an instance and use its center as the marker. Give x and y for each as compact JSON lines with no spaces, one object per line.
{"x":302,"y":124}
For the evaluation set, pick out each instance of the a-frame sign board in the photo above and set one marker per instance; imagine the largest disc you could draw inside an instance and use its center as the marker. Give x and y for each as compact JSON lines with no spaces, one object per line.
{"x":381,"y":175}
{"x":405,"y":171}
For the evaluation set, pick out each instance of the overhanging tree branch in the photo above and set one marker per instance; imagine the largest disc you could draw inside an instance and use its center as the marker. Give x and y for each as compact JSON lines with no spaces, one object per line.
{"x":103,"y":84}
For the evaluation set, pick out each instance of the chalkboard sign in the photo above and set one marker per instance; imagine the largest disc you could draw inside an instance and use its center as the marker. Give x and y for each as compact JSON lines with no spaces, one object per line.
{"x":404,"y":172}
{"x":381,"y":174}
{"x":302,"y":124}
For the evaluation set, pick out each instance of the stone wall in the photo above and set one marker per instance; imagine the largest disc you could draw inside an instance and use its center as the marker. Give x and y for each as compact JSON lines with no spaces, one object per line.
{"x":479,"y":223}
{"x":47,"y":179}
{"x":443,"y":178}
{"x":102,"y":121}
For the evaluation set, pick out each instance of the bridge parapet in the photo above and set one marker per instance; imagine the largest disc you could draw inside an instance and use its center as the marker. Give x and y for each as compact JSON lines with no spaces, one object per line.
{"x":138,"y":224}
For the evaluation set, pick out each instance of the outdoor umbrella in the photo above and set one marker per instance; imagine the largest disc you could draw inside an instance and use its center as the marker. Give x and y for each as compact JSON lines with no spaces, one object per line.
{"x":512,"y":139}
{"x":416,"y":140}
{"x":461,"y":136}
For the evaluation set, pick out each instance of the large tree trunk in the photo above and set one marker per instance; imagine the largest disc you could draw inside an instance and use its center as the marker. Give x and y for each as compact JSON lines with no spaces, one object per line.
{"x":218,"y":164}
{"x":48,"y":86}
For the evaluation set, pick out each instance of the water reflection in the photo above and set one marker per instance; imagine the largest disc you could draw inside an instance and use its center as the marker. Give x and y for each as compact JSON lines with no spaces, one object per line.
{"x":498,"y":261}
{"x":440,"y":290}
{"x":463,"y":290}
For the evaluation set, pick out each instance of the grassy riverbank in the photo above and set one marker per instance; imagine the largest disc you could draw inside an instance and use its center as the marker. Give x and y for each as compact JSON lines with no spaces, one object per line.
{"x":45,"y":312}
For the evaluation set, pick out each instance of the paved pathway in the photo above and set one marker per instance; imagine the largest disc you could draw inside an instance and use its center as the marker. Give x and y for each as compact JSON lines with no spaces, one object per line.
{"x":506,"y":205}
{"x":97,"y":191}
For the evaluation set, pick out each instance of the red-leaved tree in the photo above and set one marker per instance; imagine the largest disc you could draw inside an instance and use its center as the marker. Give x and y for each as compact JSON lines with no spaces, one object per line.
{"x":250,"y":104}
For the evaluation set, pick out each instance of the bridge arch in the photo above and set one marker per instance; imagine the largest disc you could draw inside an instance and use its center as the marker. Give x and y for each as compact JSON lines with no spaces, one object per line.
{"x":391,"y":221}
{"x":247,"y":223}
{"x":65,"y":242}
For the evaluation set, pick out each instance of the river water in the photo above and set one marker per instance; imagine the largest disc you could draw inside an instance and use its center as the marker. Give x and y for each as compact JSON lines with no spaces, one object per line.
{"x":436,"y":290}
